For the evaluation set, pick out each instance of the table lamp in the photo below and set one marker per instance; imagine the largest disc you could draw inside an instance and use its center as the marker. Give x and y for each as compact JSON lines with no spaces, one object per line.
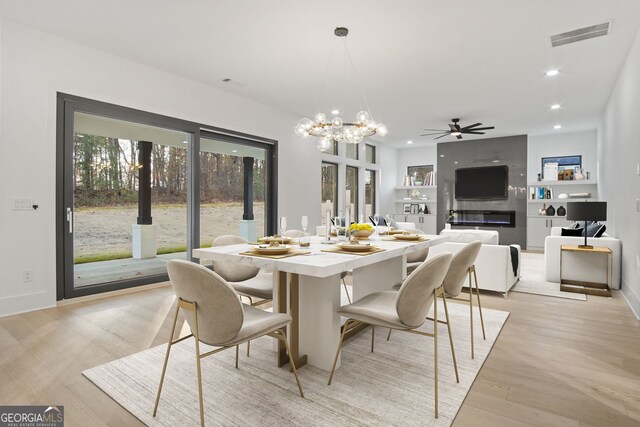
{"x":586,"y":211}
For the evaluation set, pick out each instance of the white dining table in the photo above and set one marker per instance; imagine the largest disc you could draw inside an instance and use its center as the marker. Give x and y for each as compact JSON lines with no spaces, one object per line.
{"x":308,"y":288}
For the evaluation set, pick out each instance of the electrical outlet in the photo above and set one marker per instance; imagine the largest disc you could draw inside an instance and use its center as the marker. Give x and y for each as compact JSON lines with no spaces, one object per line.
{"x":27,"y":275}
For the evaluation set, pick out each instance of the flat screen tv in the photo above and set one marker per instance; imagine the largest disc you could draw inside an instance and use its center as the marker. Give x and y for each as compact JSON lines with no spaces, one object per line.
{"x":483,"y":183}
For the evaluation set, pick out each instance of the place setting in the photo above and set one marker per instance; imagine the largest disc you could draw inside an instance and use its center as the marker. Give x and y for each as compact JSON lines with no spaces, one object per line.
{"x":280,"y":246}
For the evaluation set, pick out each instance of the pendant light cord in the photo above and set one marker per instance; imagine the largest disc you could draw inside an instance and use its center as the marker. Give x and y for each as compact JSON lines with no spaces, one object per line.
{"x":355,"y":71}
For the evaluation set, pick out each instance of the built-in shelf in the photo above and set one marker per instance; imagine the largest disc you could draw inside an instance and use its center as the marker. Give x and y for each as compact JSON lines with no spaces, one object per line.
{"x":419,"y":187}
{"x":416,"y":201}
{"x":547,"y":216}
{"x":572,"y":182}
{"x":572,"y":199}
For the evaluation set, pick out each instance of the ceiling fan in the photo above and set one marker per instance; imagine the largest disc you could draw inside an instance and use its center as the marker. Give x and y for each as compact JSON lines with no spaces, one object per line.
{"x":457,"y":131}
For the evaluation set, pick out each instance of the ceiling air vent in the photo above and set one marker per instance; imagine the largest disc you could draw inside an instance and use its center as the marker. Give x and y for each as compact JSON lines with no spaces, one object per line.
{"x":581,"y":34}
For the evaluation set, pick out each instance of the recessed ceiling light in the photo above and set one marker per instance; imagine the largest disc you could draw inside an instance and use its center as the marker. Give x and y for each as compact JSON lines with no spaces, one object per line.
{"x":234,"y":151}
{"x":557,"y":127}
{"x":496,"y":161}
{"x":455,"y":163}
{"x":555,"y":106}
{"x":441,"y":155}
{"x":552,"y":73}
{"x":226,"y":80}
{"x":185,"y":142}
{"x":335,"y":111}
{"x":409,"y":142}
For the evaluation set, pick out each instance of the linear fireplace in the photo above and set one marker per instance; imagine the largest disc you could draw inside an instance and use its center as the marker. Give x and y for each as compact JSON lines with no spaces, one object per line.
{"x":483,"y":218}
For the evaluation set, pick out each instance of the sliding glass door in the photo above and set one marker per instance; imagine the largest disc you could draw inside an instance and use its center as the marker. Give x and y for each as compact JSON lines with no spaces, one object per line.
{"x":137,"y":189}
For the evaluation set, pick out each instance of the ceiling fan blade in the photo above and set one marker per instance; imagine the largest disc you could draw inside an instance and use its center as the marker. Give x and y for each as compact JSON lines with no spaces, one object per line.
{"x":437,"y":130}
{"x":442,"y":136}
{"x":472,"y":126}
{"x":435,"y":133}
{"x":459,"y":136}
{"x":484,"y":128}
{"x":474,"y":133}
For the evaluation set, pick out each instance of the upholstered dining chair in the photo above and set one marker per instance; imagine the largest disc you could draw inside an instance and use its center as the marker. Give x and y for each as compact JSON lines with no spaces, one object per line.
{"x":244,"y":279}
{"x":462,"y":266}
{"x":414,"y":259}
{"x":405,"y":310}
{"x":217,"y":317}
{"x":293,"y":234}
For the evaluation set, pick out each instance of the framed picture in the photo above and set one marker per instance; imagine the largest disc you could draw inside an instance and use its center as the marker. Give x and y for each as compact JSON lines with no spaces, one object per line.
{"x":414,"y":209}
{"x":422,"y":208}
{"x":406,"y":208}
{"x":572,"y":163}
{"x":419,"y":174}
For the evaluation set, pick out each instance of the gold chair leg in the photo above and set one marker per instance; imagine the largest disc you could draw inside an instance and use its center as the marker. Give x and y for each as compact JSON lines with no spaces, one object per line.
{"x":453,"y":351}
{"x":197,"y":336}
{"x":237,"y":351}
{"x":346,"y":290}
{"x":166,"y":359}
{"x":248,"y":347}
{"x":475,"y":277}
{"x":435,"y":352}
{"x":471,"y":314}
{"x":335,"y":360}
{"x":389,"y":334}
{"x":293,"y":365}
{"x":373,"y":336}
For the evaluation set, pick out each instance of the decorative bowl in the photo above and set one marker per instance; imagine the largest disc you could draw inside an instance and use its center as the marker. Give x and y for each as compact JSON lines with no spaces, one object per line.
{"x":271,"y":250}
{"x":362,"y":234}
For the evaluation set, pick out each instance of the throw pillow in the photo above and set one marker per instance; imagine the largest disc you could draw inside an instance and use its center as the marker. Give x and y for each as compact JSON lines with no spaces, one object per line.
{"x":576,"y":224}
{"x":572,"y":232}
{"x":594,"y":229}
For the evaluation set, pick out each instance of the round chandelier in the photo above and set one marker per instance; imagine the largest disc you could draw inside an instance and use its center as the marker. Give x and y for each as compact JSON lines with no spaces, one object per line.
{"x":337,"y":130}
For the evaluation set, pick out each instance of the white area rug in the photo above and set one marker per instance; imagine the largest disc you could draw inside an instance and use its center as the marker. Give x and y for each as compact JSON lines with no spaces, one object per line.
{"x":532,"y":279}
{"x":393,"y":386}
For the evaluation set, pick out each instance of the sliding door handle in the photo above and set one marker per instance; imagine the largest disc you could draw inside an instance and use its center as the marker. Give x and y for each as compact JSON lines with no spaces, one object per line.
{"x":70,"y":219}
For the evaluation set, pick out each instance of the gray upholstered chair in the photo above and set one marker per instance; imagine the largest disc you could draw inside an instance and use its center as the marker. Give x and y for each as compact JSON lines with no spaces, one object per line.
{"x":244,"y":279}
{"x":217,"y":317}
{"x":405,"y":310}
{"x":414,"y":259}
{"x":463,"y":266}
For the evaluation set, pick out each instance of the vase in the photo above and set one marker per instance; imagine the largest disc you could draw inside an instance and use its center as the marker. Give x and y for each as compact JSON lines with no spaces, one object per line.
{"x":543,"y":210}
{"x":579,"y":175}
{"x":551,"y":211}
{"x":561,"y":211}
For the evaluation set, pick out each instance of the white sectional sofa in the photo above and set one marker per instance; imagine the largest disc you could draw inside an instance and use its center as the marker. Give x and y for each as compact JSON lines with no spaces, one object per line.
{"x":493,"y":265}
{"x":584,"y":267}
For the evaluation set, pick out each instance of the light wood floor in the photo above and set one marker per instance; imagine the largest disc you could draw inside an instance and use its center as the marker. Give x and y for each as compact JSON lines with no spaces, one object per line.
{"x":556,"y":362}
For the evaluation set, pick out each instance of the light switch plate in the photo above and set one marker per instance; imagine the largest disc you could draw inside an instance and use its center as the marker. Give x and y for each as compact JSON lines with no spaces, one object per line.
{"x":22,"y":204}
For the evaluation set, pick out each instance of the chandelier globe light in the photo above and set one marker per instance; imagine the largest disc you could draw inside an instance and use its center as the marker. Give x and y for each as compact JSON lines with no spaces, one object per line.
{"x":336,"y":129}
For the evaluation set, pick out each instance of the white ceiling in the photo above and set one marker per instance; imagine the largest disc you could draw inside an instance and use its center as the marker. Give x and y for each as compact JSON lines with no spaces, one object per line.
{"x":420,"y":62}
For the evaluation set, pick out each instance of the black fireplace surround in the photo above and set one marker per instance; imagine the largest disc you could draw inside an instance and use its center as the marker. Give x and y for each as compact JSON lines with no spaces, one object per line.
{"x":482,"y":218}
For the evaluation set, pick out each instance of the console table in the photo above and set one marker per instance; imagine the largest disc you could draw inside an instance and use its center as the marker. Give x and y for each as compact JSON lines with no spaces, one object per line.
{"x":579,"y":286}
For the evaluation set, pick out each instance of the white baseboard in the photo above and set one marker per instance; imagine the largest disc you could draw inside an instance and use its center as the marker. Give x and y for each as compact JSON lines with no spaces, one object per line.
{"x":632,"y":299}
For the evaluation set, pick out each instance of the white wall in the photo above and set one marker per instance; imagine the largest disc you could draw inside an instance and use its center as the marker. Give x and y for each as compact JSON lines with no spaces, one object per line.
{"x":388,"y":161}
{"x":34,"y":66}
{"x":619,"y":177}
{"x":562,"y":144}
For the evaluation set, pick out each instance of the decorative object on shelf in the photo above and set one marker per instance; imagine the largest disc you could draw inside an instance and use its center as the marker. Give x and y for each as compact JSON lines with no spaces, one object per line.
{"x":563,"y":196}
{"x":543,"y":209}
{"x":579,"y":176}
{"x":564,"y":163}
{"x":560,"y":176}
{"x":422,"y":173}
{"x":539,"y":177}
{"x":406,"y":181}
{"x":406,"y":208}
{"x":586,"y":211}
{"x":418,"y":182}
{"x":415,"y":209}
{"x":416,"y":194}
{"x":422,"y":208}
{"x":588,"y":175}
{"x":550,"y":171}
{"x":568,"y":174}
{"x":551,"y":211}
{"x":561,"y":211}
{"x":579,"y":195}
{"x":336,"y":129}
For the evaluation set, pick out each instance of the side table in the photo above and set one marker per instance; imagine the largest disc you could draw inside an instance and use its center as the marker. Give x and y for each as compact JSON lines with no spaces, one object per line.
{"x":589,"y":288}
